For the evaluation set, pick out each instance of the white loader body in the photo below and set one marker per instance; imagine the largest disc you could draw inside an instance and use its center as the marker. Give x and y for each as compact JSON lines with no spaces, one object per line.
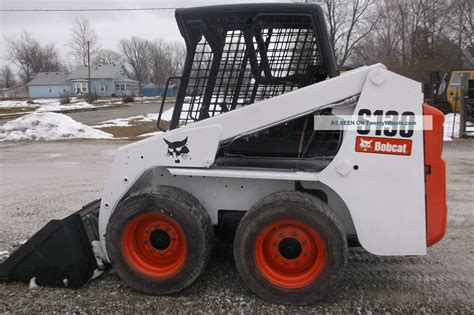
{"x":378,"y":197}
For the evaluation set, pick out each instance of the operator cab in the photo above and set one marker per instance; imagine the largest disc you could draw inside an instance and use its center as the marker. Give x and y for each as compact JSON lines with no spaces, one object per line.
{"x":238,"y":55}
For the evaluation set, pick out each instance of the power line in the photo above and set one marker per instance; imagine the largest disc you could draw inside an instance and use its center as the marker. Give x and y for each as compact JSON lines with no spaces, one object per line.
{"x":89,"y":10}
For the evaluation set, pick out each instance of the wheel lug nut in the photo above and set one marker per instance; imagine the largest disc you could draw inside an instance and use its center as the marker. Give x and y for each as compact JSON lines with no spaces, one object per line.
{"x":282,"y":235}
{"x":297,"y":262}
{"x":152,"y":251}
{"x":162,"y":254}
{"x":305,"y":254}
{"x":173,"y":238}
{"x":303,"y":242}
{"x":157,"y":225}
{"x":145,"y":241}
{"x":285,"y":263}
{"x":147,"y":231}
{"x":170,"y":249}
{"x":276,"y":255}
{"x":275,"y":244}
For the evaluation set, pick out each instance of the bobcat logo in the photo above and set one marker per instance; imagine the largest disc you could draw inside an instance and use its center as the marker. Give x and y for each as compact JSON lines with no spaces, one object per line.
{"x":365,"y":144}
{"x":178,"y":150}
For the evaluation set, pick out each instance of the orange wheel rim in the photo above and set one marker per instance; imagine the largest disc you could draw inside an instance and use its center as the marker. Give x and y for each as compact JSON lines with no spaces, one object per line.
{"x":155,"y":245}
{"x":290,"y":254}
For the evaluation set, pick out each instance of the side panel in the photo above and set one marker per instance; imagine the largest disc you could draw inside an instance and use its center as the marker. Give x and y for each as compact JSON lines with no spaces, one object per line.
{"x":222,"y":193}
{"x":384,"y":192}
{"x":435,"y":178}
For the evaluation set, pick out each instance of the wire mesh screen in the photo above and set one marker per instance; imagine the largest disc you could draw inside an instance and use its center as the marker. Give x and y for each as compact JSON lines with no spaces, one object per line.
{"x":238,"y":63}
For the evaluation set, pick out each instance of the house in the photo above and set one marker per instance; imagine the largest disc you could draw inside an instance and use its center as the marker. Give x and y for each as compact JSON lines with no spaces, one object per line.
{"x":106,"y":80}
{"x":158,"y":90}
{"x":49,"y":84}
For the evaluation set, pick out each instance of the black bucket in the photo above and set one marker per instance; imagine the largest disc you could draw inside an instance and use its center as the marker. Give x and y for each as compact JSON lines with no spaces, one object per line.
{"x":60,"y":254}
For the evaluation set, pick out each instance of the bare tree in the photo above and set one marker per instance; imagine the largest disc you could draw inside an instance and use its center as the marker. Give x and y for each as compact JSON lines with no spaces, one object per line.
{"x":136,"y":54}
{"x":349,"y":21}
{"x":7,"y":78}
{"x":108,"y":56}
{"x":463,"y":27}
{"x":412,"y":38}
{"x":31,"y":57}
{"x":166,"y":60}
{"x":83,"y":33}
{"x":158,"y":61}
{"x":177,"y":56}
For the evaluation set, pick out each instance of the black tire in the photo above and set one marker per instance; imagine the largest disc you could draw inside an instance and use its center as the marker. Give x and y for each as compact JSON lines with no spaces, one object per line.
{"x":314,"y":214}
{"x":168,"y":204}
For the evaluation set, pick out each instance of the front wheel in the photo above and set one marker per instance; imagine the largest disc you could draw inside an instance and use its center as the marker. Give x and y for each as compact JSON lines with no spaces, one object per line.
{"x":290,"y":248}
{"x":159,"y":240}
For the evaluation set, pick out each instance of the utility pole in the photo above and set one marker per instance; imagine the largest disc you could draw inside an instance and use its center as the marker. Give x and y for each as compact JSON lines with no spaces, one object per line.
{"x":88,"y":68}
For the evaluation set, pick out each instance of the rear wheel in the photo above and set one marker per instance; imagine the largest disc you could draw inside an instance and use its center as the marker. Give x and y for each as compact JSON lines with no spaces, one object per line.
{"x":290,"y":248}
{"x":159,"y":240}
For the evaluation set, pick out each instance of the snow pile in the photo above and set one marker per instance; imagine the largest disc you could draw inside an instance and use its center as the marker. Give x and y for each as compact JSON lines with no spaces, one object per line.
{"x":127,"y":122}
{"x":33,"y":284}
{"x":451,"y":127}
{"x":56,"y":106}
{"x":48,"y":126}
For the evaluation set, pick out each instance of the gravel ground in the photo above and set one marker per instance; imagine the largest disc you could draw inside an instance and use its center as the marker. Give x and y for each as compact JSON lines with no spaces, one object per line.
{"x":44,"y":180}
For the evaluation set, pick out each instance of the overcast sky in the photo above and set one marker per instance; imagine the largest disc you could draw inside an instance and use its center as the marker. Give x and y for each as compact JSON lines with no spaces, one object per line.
{"x":55,"y":27}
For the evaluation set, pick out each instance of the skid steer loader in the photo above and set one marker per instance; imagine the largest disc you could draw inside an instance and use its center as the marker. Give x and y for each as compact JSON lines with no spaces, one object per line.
{"x":243,"y":160}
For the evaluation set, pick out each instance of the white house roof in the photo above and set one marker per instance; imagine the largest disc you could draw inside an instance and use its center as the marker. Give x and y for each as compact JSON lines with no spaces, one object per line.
{"x":50,"y":78}
{"x":97,"y":72}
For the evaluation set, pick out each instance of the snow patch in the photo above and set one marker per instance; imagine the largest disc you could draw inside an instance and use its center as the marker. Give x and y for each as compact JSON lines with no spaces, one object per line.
{"x":48,"y":126}
{"x":66,"y":282}
{"x":56,"y":106}
{"x":451,"y":127}
{"x":13,"y":103}
{"x":33,"y":284}
{"x":150,"y":134}
{"x":168,"y":114}
{"x":126,"y":122}
{"x":99,"y":254}
{"x":100,"y":259}
{"x":31,"y":103}
{"x":97,"y":273}
{"x":4,"y":254}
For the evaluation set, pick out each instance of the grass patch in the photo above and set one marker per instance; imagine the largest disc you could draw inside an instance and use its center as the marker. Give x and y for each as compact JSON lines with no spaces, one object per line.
{"x":135,"y":129}
{"x":16,"y":110}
